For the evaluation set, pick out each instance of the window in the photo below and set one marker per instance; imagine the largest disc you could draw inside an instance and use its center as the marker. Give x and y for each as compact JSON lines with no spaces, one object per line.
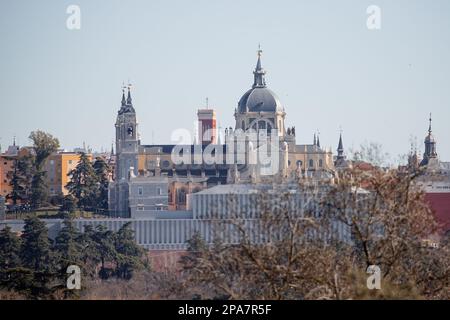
{"x":320,"y":163}
{"x":70,"y":161}
{"x":311,"y":163}
{"x":140,"y":208}
{"x":159,"y":191}
{"x":52,"y":162}
{"x":181,"y":195}
{"x":140,"y":191}
{"x":299,"y":163}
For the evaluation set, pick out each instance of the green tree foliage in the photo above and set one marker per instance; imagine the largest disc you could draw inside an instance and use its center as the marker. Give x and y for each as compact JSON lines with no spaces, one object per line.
{"x":21,"y":178}
{"x":90,"y":256}
{"x":34,"y":267}
{"x":37,"y":258}
{"x":196,"y":245}
{"x":35,"y":251}
{"x":67,"y":246}
{"x":83,"y":183}
{"x":129,"y":253}
{"x":39,"y":190}
{"x":105,"y":248}
{"x":44,"y":145}
{"x":101,"y":172}
{"x":69,"y":204}
{"x":9,"y":254}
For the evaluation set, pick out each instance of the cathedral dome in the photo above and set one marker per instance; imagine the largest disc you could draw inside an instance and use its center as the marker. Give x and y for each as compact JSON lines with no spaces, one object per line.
{"x":259,"y":99}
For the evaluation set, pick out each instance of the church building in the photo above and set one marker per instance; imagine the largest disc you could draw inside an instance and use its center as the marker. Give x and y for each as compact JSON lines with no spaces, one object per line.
{"x":259,"y":112}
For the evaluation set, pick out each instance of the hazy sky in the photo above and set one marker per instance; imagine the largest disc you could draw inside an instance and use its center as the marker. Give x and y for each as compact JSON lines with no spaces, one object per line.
{"x":327,"y":68}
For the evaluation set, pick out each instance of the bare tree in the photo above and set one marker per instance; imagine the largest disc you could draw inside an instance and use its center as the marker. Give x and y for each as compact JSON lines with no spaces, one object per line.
{"x":297,"y":252}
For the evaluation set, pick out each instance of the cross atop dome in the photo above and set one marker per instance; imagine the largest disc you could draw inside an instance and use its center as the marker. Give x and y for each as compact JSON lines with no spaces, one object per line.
{"x":429,"y":128}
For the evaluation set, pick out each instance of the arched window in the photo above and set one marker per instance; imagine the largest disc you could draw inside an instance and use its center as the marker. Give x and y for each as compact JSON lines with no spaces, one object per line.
{"x":262,"y":125}
{"x":311,"y":163}
{"x":299,"y":163}
{"x":243,"y":125}
{"x":320,"y":163}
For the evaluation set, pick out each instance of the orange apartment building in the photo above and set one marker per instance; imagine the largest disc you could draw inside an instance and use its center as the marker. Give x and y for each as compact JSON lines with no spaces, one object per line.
{"x":58,"y":166}
{"x":7,"y":167}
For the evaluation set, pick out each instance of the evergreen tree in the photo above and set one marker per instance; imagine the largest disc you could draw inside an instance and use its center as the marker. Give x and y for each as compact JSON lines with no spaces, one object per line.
{"x":15,"y":183}
{"x":101,"y":171}
{"x":39,"y":190}
{"x":35,"y":251}
{"x":69,"y":204}
{"x":38,"y":269}
{"x":89,"y":253}
{"x":104,"y":242}
{"x":21,"y":178}
{"x":129,"y":253}
{"x":196,"y":245}
{"x":9,"y":254}
{"x":68,"y":252}
{"x":83,"y":183}
{"x":66,"y":245}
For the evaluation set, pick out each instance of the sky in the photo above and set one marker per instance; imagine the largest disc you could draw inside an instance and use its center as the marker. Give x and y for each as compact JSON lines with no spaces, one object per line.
{"x":328,"y":69}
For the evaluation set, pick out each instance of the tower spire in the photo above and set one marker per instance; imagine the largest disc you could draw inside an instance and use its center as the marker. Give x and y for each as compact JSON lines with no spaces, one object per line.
{"x":129,"y":100}
{"x":123,"y":96}
{"x":259,"y":73}
{"x":340,"y":148}
{"x":318,"y":139}
{"x":430,"y":146}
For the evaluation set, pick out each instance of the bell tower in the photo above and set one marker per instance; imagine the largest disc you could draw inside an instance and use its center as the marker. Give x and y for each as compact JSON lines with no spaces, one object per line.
{"x":127,"y":141}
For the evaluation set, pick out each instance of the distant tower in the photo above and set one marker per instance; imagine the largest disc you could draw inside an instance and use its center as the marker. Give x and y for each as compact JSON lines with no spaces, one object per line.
{"x":413,"y":159}
{"x":430,"y":147}
{"x":318,"y":140}
{"x":340,"y":161}
{"x":126,"y":138}
{"x":207,"y":132}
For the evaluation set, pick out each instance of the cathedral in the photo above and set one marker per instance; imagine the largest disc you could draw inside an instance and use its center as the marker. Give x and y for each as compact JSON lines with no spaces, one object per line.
{"x":147,"y":178}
